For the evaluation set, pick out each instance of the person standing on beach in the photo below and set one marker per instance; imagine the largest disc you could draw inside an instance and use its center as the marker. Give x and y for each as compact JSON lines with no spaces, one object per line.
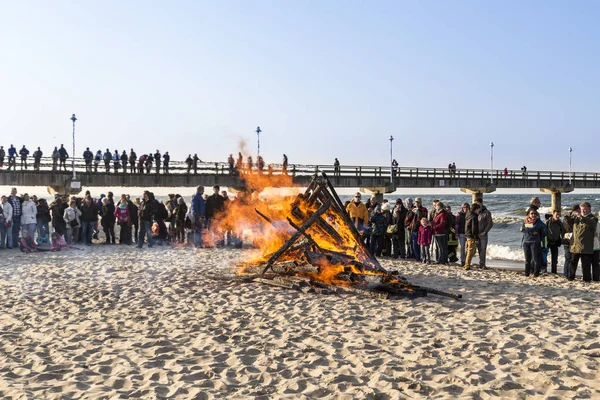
{"x":72,"y":218}
{"x":357,"y":212}
{"x":199,"y":212}
{"x":215,"y":205}
{"x":379,"y":226}
{"x":43,"y":220}
{"x":89,"y":218}
{"x":399,"y":238}
{"x":485,"y":225}
{"x":424,"y":239}
{"x":555,"y":237}
{"x":123,"y":220}
{"x":414,"y":219}
{"x":471,"y":233}
{"x":28,"y":217}
{"x":408,"y":204}
{"x":534,"y":233}
{"x":582,"y":247}
{"x":147,"y":210}
{"x":133,"y":208}
{"x":459,"y":227}
{"x":57,"y":208}
{"x":15,"y":202}
{"x":6,"y":221}
{"x":440,"y":233}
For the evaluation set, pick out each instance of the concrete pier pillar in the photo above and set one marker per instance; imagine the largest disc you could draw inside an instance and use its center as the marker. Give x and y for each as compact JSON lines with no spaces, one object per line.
{"x":556,"y":194}
{"x":478,"y":192}
{"x":379,"y":191}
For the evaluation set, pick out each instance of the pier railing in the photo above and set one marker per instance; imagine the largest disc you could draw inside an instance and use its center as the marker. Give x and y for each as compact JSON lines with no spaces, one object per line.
{"x":345,"y":171}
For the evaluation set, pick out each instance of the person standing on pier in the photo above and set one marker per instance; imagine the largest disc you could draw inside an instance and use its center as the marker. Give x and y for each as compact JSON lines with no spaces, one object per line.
{"x":88,"y":157}
{"x":239,"y":164}
{"x":132,"y":161}
{"x":157,"y":159}
{"x":485,"y":225}
{"x":166,"y":159}
{"x":62,"y":152}
{"x":24,"y":153}
{"x":37,"y":159}
{"x":55,"y":157}
{"x":124,"y":159}
{"x":97,"y":160}
{"x":107,"y":159}
{"x":12,"y":156}
{"x":336,"y":167}
{"x":249,"y":165}
{"x":116,"y":161}
{"x":230,"y":163}
{"x":2,"y":155}
{"x":284,"y":165}
{"x":148,"y":162}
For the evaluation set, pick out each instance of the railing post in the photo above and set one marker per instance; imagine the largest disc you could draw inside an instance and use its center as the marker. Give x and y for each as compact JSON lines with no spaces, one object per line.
{"x":360,"y":172}
{"x":434,"y":172}
{"x":294,"y":170}
{"x":538,"y":175}
{"x":416,"y":173}
{"x":316,"y":169}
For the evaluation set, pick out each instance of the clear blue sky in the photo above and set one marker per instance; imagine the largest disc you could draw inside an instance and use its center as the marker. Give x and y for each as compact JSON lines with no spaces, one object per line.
{"x":323,"y":79}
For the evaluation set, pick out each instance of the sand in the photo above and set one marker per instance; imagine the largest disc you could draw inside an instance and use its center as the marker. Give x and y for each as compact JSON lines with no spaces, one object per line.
{"x":117,"y":322}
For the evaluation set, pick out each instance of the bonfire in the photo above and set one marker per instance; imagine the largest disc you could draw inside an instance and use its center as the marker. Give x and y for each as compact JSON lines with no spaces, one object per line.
{"x":310,"y":244}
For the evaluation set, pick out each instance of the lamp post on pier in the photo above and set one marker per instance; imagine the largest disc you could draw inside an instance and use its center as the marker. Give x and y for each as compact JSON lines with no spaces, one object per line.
{"x":258,"y":131}
{"x":73,"y":118}
{"x":492,"y":162}
{"x":570,"y":174}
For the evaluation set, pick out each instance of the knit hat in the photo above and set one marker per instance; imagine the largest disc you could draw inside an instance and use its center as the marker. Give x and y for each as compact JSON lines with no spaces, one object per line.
{"x":418,"y":200}
{"x":408,"y":202}
{"x":385,"y":207}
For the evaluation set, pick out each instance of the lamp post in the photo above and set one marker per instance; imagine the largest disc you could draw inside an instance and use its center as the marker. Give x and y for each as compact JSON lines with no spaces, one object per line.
{"x":258,"y":131}
{"x":391,"y":160}
{"x":73,"y":118}
{"x":492,"y":162}
{"x":570,"y":174}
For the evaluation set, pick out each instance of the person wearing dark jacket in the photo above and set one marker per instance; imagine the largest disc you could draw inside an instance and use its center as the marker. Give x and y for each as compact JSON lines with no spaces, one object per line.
{"x":124,"y":160}
{"x":166,"y":160}
{"x":180,"y":213}
{"x":89,"y":217}
{"x":378,"y":223}
{"x":199,"y":213}
{"x":582,"y":246}
{"x":471,"y":233}
{"x":215,"y":204}
{"x":132,"y":161}
{"x":133,"y":214}
{"x":88,"y":157}
{"x":58,"y":211}
{"x":108,"y":220}
{"x":555,"y":237}
{"x":459,"y":227}
{"x":440,"y":233}
{"x":413,"y":223}
{"x":43,"y":219}
{"x":398,"y":238}
{"x":146,"y":213}
{"x":63,"y":155}
{"x":534,"y":233}
{"x":568,"y":236}
{"x":24,"y":153}
{"x":157,"y":161}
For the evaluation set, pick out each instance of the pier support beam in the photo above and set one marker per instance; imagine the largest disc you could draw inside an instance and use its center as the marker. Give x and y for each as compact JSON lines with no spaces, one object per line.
{"x":69,"y":187}
{"x":379,"y":191}
{"x":478,"y":192}
{"x":556,"y":195}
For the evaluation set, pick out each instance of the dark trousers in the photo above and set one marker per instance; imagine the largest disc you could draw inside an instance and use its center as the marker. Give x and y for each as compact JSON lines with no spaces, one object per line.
{"x":533,"y":258}
{"x":109,"y":231}
{"x":16,"y":228}
{"x":554,"y":254}
{"x":415,"y":245}
{"x":376,"y":245}
{"x":125,"y":233}
{"x":586,"y":267}
{"x":398,"y":246}
{"x":442,"y":248}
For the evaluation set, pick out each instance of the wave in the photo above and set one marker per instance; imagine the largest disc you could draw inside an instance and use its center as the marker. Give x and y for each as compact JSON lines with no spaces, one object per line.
{"x":505,"y":253}
{"x":507,"y":220}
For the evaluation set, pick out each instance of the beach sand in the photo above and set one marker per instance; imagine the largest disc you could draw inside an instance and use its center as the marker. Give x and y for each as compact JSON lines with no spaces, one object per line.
{"x":117,"y":322}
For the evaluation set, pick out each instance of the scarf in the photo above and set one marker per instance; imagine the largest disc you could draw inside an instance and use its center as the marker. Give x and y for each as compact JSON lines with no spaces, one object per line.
{"x":529,"y":220}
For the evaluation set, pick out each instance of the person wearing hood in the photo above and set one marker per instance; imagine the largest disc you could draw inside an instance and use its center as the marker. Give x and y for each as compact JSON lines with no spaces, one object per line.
{"x":398,"y":237}
{"x":57,"y":208}
{"x":582,"y":245}
{"x":379,"y":227}
{"x":123,"y":220}
{"x":72,"y":218}
{"x":28,"y":218}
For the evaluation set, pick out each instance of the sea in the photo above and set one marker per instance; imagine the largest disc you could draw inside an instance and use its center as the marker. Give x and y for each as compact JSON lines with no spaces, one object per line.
{"x":508,"y":212}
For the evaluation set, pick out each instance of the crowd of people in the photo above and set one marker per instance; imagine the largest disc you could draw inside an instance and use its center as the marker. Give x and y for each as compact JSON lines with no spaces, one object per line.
{"x":408,"y":230}
{"x":29,"y":222}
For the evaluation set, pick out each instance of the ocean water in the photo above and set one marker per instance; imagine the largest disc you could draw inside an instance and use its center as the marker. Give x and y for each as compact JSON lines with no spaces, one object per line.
{"x":508,"y":212}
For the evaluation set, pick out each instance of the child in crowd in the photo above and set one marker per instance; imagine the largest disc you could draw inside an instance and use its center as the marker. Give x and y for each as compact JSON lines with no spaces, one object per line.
{"x":424,"y":240}
{"x":555,"y":237}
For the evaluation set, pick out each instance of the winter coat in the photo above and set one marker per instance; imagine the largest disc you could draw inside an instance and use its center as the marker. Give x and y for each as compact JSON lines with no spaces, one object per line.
{"x":555,"y":231}
{"x":425,"y":234}
{"x":29,"y":213}
{"x":72,"y":214}
{"x":7,"y":212}
{"x":534,"y":233}
{"x":148,"y":209}
{"x":43,"y":211}
{"x":472,"y":225}
{"x":214,"y":204}
{"x":198,"y":205}
{"x":378,"y":224}
{"x":398,"y":217}
{"x":133,"y":212}
{"x":584,"y":231}
{"x":485,"y":221}
{"x":357,"y":211}
{"x":89,"y":213}
{"x":122,"y":214}
{"x":413,"y":218}
{"x":440,"y":223}
{"x":459,"y":225}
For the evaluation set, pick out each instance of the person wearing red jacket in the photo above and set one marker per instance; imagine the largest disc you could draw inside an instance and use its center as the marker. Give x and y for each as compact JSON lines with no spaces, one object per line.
{"x":440,"y":233}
